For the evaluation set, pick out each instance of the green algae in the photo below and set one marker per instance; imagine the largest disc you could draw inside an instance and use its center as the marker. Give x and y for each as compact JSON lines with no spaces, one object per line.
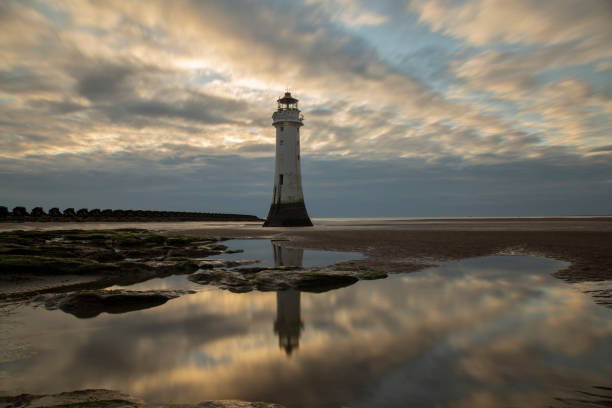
{"x":91,"y":251}
{"x":43,"y":264}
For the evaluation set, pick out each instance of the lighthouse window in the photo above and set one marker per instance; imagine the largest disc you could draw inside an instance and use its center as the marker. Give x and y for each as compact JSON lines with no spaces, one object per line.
{"x":282,"y":128}
{"x":281,"y":180}
{"x":282,"y":141}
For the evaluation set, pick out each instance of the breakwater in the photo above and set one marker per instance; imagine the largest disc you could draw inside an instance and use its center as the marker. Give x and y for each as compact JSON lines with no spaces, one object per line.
{"x":38,"y":214}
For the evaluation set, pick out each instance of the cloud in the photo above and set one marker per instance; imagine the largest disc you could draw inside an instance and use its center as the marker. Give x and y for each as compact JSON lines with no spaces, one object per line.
{"x":524,"y":21}
{"x":89,"y":79}
{"x":525,"y":57}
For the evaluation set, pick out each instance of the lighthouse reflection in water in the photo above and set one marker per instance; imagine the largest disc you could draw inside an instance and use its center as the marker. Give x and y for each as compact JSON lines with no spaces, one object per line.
{"x":288,"y":324}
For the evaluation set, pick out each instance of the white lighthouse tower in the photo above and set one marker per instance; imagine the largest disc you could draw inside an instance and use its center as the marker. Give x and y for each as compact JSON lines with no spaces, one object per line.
{"x":287,"y":208}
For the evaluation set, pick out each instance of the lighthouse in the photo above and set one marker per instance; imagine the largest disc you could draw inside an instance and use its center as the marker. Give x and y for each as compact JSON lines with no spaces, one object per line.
{"x":288,"y":324}
{"x":287,"y":208}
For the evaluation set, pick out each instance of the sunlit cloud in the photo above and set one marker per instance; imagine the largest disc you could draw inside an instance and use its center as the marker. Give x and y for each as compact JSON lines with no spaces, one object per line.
{"x":85,"y":78}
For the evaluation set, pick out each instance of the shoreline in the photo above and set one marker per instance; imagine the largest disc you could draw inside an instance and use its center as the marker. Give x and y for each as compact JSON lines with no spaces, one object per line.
{"x":404,"y":248}
{"x":584,"y":245}
{"x":394,"y":250}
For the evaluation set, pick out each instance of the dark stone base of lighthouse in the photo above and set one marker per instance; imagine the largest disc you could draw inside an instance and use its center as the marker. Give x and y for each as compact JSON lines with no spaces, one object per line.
{"x":288,"y":215}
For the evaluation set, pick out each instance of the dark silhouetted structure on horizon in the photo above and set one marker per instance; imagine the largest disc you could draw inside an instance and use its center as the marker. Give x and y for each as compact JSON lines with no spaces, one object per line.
{"x":20,"y":214}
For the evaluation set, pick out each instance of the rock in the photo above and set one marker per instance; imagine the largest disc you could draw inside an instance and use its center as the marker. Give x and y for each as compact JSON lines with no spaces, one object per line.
{"x":360,"y":270}
{"x":306,"y":280}
{"x":212,"y":263}
{"x":38,"y":212}
{"x":69,"y":212}
{"x":220,"y":263}
{"x":45,"y":265}
{"x":83,"y":212}
{"x":55,"y":212}
{"x":177,"y":240}
{"x":95,"y":212}
{"x":19,"y":212}
{"x":180,"y":267}
{"x":372,"y":275}
{"x":320,"y":282}
{"x":91,"y":303}
{"x":112,"y":399}
{"x":4,"y":212}
{"x":83,"y":398}
{"x":236,"y":404}
{"x":107,"y":213}
{"x":102,"y":257}
{"x":127,"y":240}
{"x":144,"y":253}
{"x":192,"y":252}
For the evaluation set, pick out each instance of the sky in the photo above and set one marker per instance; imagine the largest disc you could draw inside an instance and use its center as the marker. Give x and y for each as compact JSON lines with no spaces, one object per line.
{"x":412,"y":108}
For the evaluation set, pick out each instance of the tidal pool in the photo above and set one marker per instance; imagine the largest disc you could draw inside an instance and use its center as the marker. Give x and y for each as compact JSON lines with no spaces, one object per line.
{"x":272,"y":253}
{"x":486,"y":331}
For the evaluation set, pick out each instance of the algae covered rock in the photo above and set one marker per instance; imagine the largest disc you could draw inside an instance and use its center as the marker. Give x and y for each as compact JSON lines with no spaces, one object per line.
{"x":89,"y":304}
{"x":123,"y":255}
{"x":82,"y":398}
{"x":96,"y":398}
{"x":43,"y":264}
{"x":248,"y":279}
{"x":236,"y":404}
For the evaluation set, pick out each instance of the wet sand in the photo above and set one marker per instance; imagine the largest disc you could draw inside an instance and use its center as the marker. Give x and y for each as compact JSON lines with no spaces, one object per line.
{"x":586,"y":243}
{"x":410,"y":245}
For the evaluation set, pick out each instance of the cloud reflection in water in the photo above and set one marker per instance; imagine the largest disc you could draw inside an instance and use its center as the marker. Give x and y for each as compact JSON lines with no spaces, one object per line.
{"x":468,"y":333}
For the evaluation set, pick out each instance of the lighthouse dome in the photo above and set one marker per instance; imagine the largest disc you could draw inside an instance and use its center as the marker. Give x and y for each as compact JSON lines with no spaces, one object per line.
{"x":287,"y":99}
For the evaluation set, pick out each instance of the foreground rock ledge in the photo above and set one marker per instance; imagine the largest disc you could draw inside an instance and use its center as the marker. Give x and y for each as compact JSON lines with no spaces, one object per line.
{"x":32,"y":262}
{"x":316,"y":280}
{"x":112,"y":399}
{"x":87,"y":304}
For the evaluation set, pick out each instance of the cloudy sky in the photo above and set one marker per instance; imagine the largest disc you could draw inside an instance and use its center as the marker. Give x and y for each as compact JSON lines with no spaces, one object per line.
{"x":412,"y":108}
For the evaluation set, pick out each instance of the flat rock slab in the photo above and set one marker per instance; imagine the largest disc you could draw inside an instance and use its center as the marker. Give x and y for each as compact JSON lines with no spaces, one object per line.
{"x":235,"y":404}
{"x":38,"y":261}
{"x":315,"y":280}
{"x":221,"y":263}
{"x":112,"y":399}
{"x":87,"y":304}
{"x":82,"y":398}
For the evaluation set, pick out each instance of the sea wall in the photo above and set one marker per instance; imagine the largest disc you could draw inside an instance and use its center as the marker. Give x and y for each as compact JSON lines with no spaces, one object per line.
{"x":38,"y":214}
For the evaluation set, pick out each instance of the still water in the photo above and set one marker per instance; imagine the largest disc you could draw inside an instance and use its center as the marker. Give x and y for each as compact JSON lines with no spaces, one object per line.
{"x":480,"y":332}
